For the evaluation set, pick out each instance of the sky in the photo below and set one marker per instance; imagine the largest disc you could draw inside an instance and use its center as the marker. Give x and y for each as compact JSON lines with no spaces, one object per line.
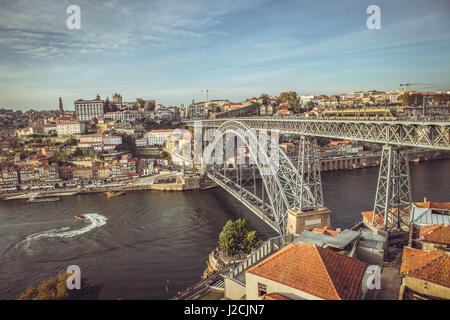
{"x":171,"y":50}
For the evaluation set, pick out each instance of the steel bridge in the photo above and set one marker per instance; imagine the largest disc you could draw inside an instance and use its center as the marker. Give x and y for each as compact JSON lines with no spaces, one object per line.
{"x":287,"y":185}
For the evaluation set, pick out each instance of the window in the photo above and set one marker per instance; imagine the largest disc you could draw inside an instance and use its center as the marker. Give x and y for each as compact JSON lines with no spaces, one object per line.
{"x":262,"y":289}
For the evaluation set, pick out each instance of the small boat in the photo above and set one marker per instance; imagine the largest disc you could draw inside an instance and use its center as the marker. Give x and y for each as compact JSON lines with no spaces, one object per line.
{"x":44,"y":199}
{"x":113,"y":194}
{"x":81,"y":216}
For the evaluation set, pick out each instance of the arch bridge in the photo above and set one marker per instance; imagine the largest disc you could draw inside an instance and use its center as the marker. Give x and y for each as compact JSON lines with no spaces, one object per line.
{"x":270,"y":186}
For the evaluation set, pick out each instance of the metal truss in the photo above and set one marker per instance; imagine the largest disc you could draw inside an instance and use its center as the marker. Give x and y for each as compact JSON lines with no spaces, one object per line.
{"x":311,"y":195}
{"x":431,"y":135}
{"x":393,"y":195}
{"x":282,"y":186}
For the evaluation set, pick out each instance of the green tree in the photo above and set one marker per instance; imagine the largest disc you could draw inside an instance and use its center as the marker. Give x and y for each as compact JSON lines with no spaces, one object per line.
{"x":106,"y":106}
{"x":165,"y":155}
{"x":265,"y":98}
{"x":233,"y":235}
{"x":55,"y":288}
{"x":290,"y":98}
{"x":309,"y":105}
{"x":251,"y":241}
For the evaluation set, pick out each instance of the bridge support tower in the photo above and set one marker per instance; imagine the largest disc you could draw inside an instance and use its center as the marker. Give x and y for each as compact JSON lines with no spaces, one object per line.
{"x":309,"y":211}
{"x":393,"y":194}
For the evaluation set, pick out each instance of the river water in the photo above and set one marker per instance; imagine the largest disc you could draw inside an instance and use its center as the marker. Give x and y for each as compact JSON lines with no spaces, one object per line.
{"x":134,"y":243}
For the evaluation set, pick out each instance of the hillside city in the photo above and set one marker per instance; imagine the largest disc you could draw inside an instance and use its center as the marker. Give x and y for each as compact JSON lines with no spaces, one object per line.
{"x":105,"y":142}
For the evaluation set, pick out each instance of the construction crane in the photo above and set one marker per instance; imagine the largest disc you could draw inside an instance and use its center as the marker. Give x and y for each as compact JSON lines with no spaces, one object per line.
{"x":207,"y":99}
{"x":426,"y":85}
{"x":424,"y":97}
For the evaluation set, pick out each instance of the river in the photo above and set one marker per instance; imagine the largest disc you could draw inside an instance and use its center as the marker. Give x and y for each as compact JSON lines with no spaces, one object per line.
{"x":134,"y":243}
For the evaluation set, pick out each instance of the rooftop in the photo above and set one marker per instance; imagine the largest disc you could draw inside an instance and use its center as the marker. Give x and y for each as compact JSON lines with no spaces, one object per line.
{"x":433,"y":266}
{"x":339,"y":241}
{"x":336,"y":277}
{"x":439,"y":233}
{"x":421,"y":216}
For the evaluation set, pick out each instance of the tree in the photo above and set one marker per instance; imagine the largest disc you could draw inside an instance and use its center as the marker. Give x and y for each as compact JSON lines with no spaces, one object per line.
{"x":233,"y":235}
{"x":106,"y":107}
{"x":290,"y":98}
{"x":265,"y":98}
{"x":55,"y":288}
{"x":251,"y":241}
{"x":165,"y":155}
{"x":228,"y":240}
{"x":309,"y":105}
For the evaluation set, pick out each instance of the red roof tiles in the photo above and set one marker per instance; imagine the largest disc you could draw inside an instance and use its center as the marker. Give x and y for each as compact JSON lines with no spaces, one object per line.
{"x":433,"y":266}
{"x":438,"y":233}
{"x":315,"y":270}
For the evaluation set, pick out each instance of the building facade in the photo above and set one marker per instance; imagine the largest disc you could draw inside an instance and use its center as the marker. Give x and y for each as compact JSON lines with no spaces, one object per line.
{"x":86,"y":110}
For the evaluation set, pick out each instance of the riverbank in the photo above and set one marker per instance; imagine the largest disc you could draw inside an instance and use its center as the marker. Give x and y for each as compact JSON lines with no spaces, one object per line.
{"x":187,"y":183}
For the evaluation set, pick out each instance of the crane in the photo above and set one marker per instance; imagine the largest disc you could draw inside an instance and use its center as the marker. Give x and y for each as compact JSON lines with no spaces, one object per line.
{"x":423,"y":85}
{"x":428,"y":85}
{"x":207,"y":100}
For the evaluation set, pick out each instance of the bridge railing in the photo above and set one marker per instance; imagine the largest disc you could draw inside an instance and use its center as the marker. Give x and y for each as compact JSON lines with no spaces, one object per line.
{"x":267,"y":248}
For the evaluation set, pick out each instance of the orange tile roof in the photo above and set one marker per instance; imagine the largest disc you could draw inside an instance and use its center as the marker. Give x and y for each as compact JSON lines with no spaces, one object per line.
{"x":327,"y":231}
{"x":438,"y":233}
{"x":313,"y":269}
{"x":379,"y":220}
{"x":433,"y":266}
{"x":433,"y":205}
{"x":275,"y":296}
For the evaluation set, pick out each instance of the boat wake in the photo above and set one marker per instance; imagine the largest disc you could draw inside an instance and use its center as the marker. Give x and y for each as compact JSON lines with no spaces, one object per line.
{"x":93,"y":220}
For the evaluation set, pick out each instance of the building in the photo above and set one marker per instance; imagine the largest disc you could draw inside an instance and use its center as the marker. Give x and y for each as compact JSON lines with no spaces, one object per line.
{"x":70,"y":128}
{"x":124,"y":116}
{"x":82,"y":173}
{"x":197,"y":111}
{"x":98,"y":142}
{"x":86,"y":110}
{"x":425,"y":275}
{"x":304,"y":271}
{"x":158,"y":137}
{"x":125,"y":167}
{"x":431,"y":238}
{"x":9,"y":176}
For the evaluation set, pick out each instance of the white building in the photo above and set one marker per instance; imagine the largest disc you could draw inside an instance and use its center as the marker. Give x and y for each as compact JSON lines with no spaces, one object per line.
{"x":86,"y":110}
{"x":124,"y":116}
{"x":100,"y":142}
{"x":70,"y":127}
{"x":158,"y":137}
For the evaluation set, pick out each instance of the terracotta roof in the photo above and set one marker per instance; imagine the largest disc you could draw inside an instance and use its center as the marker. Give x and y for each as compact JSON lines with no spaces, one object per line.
{"x":313,"y":269}
{"x":327,"y":231}
{"x":433,"y":205}
{"x":379,"y":220}
{"x":275,"y":296}
{"x":379,"y":217}
{"x":438,"y":233}
{"x":433,"y":266}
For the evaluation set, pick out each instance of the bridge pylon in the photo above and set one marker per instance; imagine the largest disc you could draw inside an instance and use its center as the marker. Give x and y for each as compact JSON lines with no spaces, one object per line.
{"x":309,"y":211}
{"x":393,"y":194}
{"x":310,"y":182}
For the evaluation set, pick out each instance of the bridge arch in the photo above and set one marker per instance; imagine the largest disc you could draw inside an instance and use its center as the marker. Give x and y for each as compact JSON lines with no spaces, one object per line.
{"x":281,"y":181}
